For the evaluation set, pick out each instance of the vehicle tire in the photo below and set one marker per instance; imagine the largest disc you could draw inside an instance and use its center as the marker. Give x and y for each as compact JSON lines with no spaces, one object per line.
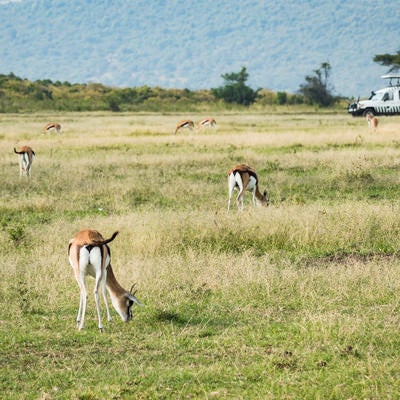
{"x":369,"y":111}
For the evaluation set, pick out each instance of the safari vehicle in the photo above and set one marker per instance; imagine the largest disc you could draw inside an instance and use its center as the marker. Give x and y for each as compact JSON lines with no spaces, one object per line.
{"x":382,"y":102}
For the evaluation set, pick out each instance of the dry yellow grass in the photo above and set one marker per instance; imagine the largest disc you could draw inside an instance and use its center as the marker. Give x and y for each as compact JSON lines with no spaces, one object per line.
{"x":267,"y":298}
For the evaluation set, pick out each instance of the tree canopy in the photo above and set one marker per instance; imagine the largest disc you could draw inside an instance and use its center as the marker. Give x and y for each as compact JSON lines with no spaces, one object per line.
{"x":316,"y":89}
{"x":389,"y":60}
{"x":235,"y":89}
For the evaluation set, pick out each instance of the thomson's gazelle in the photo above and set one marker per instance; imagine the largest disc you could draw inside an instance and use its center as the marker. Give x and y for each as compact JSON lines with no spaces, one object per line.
{"x":372,"y":121}
{"x":243,"y":177}
{"x":186,"y":123}
{"x":89,"y":254}
{"x":207,"y":122}
{"x":52,"y":126}
{"x":26,"y":156}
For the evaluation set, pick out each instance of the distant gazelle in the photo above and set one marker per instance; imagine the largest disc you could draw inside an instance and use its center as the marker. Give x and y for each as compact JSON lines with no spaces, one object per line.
{"x":26,"y":156}
{"x":89,"y":254}
{"x":243,"y":177}
{"x":186,"y":123}
{"x":207,"y":122}
{"x":52,"y":126}
{"x":372,"y":121}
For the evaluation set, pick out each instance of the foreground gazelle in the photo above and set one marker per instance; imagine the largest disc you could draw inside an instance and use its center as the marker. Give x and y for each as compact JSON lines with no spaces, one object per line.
{"x":26,"y":156}
{"x":52,"y":126}
{"x":207,"y":122}
{"x":372,"y":121}
{"x":245,"y":178}
{"x":89,"y":254}
{"x":186,"y":123}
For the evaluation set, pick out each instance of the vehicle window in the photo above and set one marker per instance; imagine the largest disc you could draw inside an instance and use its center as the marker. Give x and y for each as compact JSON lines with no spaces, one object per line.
{"x":387,"y":96}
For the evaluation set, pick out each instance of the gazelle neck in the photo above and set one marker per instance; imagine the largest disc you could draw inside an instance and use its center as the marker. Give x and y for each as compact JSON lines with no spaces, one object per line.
{"x":258,"y":194}
{"x":118,"y":295}
{"x":113,"y":287}
{"x":262,"y":198}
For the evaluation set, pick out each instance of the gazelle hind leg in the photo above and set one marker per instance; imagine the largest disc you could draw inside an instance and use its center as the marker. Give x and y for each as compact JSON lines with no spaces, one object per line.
{"x":83,"y":260}
{"x":96,"y":259}
{"x":78,"y":317}
{"x":231,"y":188}
{"x":82,"y":305}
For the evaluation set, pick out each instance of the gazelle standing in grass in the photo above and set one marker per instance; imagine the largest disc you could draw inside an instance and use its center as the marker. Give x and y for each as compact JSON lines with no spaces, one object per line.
{"x":89,"y":254}
{"x":243,"y":177}
{"x":186,"y":123}
{"x":26,"y":156}
{"x":52,"y":126}
{"x":207,"y":122}
{"x":372,"y":121}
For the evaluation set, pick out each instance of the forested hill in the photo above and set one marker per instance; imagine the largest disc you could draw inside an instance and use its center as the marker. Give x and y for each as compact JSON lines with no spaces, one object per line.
{"x":189,"y":44}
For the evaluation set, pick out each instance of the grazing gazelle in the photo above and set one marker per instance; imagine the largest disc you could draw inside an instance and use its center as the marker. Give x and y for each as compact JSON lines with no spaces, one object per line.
{"x":372,"y":121}
{"x":186,"y":123}
{"x":207,"y":122}
{"x":89,"y":254}
{"x":26,"y":156}
{"x":245,"y":178}
{"x":52,"y":126}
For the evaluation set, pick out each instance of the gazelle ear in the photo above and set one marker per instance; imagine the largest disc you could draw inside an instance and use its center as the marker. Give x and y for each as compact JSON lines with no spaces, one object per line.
{"x":134,"y":299}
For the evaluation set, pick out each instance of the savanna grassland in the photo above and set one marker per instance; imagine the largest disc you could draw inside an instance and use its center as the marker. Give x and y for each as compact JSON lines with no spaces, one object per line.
{"x":299,"y":300}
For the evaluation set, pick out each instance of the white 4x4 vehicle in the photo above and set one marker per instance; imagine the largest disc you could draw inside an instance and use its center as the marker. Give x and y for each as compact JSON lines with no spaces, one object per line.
{"x":382,"y":102}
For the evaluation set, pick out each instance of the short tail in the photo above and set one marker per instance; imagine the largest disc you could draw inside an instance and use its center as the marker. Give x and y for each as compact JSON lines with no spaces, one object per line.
{"x":113,"y":236}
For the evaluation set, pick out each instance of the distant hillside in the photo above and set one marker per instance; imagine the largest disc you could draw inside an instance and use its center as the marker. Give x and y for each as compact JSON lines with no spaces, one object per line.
{"x":181,"y":44}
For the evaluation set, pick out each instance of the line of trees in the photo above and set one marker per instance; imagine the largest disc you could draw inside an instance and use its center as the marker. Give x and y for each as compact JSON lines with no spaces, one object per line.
{"x":17,"y":94}
{"x":21,"y":95}
{"x":316,"y":90}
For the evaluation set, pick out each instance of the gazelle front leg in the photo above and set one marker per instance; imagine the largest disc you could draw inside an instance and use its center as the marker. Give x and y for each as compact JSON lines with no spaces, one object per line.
{"x":103,"y":281}
{"x":254,"y":196}
{"x":96,"y":299}
{"x":104,"y":291}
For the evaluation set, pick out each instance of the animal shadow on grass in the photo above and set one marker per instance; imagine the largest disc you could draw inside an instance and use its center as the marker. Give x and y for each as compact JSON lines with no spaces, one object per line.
{"x":208,"y":322}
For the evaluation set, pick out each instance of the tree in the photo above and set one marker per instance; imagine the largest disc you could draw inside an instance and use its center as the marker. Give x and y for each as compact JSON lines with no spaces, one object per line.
{"x":316,"y":89}
{"x":235,"y":89}
{"x":281,"y":98}
{"x":389,"y":60}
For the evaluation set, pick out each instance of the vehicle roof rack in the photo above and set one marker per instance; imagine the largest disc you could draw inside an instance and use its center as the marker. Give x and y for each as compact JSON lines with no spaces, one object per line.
{"x":392,"y":76}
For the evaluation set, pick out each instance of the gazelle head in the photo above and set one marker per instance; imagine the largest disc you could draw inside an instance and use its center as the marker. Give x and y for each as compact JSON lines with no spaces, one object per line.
{"x":265,"y":199}
{"x":123,"y":304}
